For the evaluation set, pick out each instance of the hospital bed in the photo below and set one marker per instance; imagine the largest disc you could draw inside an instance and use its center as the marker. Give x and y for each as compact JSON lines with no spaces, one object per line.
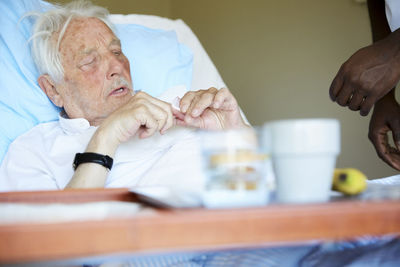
{"x":101,"y":225}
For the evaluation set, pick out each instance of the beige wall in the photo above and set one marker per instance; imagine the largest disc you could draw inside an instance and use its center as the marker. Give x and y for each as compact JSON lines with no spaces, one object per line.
{"x":279,"y":57}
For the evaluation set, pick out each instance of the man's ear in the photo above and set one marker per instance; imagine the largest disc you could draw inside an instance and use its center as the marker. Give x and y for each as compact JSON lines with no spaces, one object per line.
{"x":49,"y":88}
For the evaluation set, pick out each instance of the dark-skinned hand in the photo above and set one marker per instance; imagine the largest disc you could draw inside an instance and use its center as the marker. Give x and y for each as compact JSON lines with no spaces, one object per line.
{"x":368,"y":75}
{"x":386,"y":118}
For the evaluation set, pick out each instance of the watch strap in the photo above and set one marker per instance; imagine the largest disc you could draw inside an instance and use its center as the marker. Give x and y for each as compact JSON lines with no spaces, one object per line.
{"x":90,"y":157}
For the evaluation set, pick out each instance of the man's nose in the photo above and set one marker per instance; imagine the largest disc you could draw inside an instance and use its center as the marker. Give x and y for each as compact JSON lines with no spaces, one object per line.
{"x":115,"y":66}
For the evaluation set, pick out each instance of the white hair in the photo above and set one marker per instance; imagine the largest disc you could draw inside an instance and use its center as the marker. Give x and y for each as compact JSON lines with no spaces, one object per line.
{"x":45,"y":49}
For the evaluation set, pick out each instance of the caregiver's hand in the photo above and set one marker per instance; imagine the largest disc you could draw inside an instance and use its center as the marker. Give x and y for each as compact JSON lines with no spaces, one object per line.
{"x":368,"y":75}
{"x":385,"y":118}
{"x":210,"y":109}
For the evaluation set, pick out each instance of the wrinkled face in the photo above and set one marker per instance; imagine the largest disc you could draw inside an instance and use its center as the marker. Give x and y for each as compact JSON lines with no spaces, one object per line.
{"x":96,"y":73}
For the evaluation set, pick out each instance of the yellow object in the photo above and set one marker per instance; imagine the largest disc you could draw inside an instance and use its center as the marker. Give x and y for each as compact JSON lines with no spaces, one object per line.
{"x":349,"y":181}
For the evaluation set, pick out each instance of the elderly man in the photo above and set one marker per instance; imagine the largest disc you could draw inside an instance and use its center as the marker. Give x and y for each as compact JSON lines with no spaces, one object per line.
{"x":126,"y":138}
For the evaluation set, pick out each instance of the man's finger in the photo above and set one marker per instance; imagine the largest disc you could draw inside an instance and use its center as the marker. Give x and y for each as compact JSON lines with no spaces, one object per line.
{"x":161,"y":109}
{"x":366,"y":105}
{"x":344,"y":95}
{"x":181,"y":123}
{"x":196,"y":122}
{"x":356,"y":101}
{"x":395,"y":128}
{"x":149,"y":125}
{"x":336,"y":85}
{"x":154,"y":114}
{"x":186,"y":100}
{"x":383,"y":149}
{"x":393,"y":158}
{"x":381,"y":144}
{"x":169,"y":122}
{"x":177,"y":114}
{"x":204,"y":101}
{"x":167,"y":107}
{"x":224,"y":100}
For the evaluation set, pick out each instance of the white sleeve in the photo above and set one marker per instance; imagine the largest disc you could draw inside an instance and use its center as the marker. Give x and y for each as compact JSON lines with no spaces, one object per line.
{"x":393,"y":14}
{"x":23,"y":170}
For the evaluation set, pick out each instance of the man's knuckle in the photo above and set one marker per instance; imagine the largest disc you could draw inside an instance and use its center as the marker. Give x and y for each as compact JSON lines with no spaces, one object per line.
{"x":355,"y":83}
{"x":141,"y":108}
{"x":141,"y":101}
{"x":208,"y":95}
{"x":196,"y":98}
{"x":184,"y":101}
{"x":191,"y":93}
{"x":367,"y":88}
{"x":141,"y":94}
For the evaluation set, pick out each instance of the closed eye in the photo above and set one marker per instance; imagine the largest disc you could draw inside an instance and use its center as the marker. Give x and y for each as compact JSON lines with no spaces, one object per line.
{"x":117,"y":52}
{"x":88,"y":63}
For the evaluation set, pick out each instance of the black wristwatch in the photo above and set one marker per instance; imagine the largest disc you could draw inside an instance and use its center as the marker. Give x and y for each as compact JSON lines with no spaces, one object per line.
{"x":90,"y":157}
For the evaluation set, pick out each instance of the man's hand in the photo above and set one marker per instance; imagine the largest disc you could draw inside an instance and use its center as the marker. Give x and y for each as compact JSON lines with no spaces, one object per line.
{"x":368,"y":75}
{"x":385,"y":118}
{"x":142,"y":115}
{"x":210,"y":109}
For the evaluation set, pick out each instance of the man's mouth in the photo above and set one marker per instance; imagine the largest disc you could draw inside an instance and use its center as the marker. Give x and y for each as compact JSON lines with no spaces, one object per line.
{"x":123,"y":90}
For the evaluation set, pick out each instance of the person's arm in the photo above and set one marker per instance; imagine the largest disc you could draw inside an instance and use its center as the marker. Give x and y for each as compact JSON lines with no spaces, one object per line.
{"x":143,"y":115}
{"x":371,"y":72}
{"x":379,"y":25}
{"x":88,"y":175}
{"x":386,"y":114}
{"x":210,"y":109}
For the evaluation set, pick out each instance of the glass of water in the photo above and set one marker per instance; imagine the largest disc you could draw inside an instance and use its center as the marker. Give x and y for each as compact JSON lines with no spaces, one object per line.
{"x":235,"y":169}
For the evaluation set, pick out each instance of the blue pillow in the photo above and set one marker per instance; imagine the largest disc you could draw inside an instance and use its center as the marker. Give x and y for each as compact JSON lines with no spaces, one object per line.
{"x":158,"y":61}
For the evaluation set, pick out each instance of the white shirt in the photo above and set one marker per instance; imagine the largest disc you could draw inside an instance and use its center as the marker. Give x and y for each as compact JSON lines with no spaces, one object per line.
{"x":41,"y":159}
{"x":393,"y":14}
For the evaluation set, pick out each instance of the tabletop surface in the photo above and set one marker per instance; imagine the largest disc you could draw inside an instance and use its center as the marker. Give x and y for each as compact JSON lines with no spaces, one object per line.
{"x":185,"y":229}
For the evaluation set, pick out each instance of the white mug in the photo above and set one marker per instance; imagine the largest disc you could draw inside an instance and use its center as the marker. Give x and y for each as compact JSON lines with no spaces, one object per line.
{"x":303,"y":153}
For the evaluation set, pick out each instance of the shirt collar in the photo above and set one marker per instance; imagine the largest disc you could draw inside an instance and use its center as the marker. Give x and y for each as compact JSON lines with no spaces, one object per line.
{"x":73,"y":126}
